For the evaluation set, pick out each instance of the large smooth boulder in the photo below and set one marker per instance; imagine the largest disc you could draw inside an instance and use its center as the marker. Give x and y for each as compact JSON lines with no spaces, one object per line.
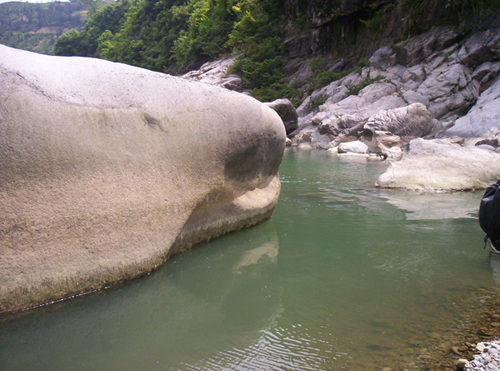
{"x":433,"y":165}
{"x":355,"y":147}
{"x":107,"y":170}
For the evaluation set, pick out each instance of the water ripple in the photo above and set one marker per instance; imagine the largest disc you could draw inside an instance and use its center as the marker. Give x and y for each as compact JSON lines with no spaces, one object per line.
{"x":276,"y":349}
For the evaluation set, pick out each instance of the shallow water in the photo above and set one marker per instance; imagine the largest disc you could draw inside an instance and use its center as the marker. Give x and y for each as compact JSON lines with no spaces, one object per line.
{"x":343,"y":277}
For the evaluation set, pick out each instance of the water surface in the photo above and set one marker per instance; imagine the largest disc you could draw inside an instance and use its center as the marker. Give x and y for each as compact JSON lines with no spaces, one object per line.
{"x":343,"y":277}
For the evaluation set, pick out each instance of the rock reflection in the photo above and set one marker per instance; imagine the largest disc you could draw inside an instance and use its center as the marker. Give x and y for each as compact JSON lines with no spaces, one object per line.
{"x":495,"y":267}
{"x":427,"y":205}
{"x":206,"y":301}
{"x":267,"y":250}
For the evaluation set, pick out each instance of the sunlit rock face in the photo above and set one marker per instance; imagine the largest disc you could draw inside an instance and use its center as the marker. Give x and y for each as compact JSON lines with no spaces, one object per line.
{"x":108,"y":169}
{"x":483,"y":120}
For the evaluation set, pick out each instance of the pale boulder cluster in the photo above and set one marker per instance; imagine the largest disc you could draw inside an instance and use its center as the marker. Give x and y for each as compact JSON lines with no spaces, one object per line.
{"x":488,"y":358}
{"x":430,"y":106}
{"x":217,"y":73}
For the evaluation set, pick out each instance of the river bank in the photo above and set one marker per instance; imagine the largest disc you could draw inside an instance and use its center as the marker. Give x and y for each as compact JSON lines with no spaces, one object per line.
{"x":480,"y":325}
{"x":344,"y":276}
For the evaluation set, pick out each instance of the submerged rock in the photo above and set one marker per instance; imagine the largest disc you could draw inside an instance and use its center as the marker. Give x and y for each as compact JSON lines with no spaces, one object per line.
{"x":108,"y":169}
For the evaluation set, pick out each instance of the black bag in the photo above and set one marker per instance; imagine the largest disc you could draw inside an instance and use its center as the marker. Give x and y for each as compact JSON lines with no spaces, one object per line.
{"x":489,"y":215}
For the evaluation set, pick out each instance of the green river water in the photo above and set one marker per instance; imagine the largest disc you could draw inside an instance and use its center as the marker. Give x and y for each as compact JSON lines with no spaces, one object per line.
{"x":343,"y":277}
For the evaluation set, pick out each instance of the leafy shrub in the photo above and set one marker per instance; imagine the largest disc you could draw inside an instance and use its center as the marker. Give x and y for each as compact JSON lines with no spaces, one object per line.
{"x":318,"y":64}
{"x":326,"y":77}
{"x":20,"y":21}
{"x":319,"y":101}
{"x":257,"y":36}
{"x":355,"y":89}
{"x":363,"y":63}
{"x":71,"y":43}
{"x":108,"y":19}
{"x":375,"y":23}
{"x":261,"y":67}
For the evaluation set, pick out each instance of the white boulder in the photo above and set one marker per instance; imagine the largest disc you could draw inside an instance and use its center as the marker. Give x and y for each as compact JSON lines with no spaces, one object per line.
{"x":217,"y":73}
{"x":432,"y":165}
{"x":356,"y":147}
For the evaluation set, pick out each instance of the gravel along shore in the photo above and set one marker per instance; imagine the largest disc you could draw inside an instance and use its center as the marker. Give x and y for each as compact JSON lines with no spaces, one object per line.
{"x":488,"y":358}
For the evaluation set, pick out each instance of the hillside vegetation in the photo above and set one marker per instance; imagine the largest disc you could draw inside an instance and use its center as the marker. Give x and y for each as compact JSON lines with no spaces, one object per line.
{"x":36,"y":27}
{"x":176,"y":36}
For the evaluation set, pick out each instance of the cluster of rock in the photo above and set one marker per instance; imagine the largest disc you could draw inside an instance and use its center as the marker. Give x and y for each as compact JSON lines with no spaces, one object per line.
{"x":439,"y":87}
{"x":217,"y":73}
{"x":488,"y":358}
{"x":436,"y":69}
{"x":436,"y":87}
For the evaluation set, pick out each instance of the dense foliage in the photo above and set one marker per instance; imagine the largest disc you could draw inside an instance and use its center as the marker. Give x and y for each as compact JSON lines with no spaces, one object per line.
{"x":36,"y":27}
{"x":104,"y":21}
{"x":178,"y":35}
{"x":418,"y":16}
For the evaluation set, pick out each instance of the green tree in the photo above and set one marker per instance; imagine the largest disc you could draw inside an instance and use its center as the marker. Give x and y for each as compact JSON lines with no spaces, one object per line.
{"x":207,"y":35}
{"x":86,"y":43}
{"x":178,"y":35}
{"x":71,"y":43}
{"x":20,"y":23}
{"x":258,"y":35}
{"x":147,"y":34}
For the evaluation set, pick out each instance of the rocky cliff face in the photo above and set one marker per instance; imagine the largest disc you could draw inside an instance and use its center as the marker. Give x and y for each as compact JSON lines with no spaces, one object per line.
{"x":437,"y":85}
{"x":355,"y":29}
{"x":331,"y":26}
{"x":320,"y":12}
{"x":108,"y":169}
